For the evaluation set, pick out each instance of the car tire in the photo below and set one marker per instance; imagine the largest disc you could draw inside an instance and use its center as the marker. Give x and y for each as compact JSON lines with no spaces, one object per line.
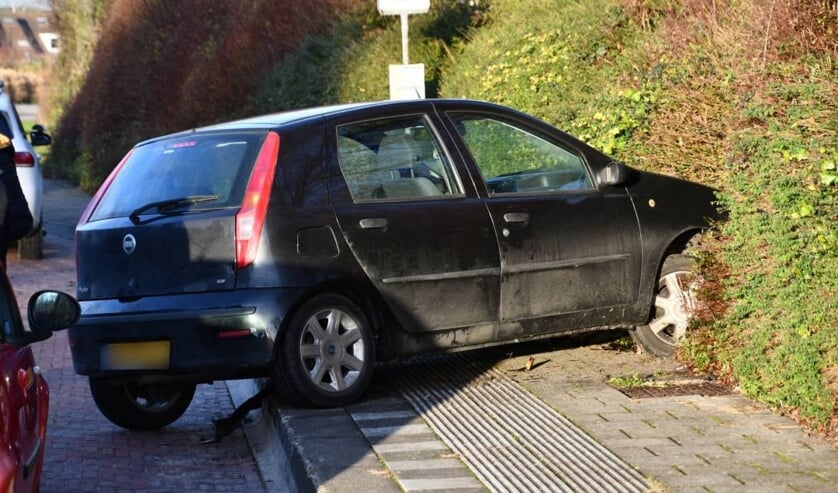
{"x":674,"y":301}
{"x":141,"y":407}
{"x":31,"y":247}
{"x":326,"y":356}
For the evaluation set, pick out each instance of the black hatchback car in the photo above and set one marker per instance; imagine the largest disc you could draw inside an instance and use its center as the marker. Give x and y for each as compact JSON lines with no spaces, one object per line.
{"x":310,"y":244}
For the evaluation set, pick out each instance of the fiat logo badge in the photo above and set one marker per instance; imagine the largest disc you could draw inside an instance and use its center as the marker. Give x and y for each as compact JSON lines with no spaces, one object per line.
{"x":129,"y":244}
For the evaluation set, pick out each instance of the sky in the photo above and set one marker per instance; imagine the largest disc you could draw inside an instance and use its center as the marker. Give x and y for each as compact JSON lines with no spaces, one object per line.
{"x":7,"y":4}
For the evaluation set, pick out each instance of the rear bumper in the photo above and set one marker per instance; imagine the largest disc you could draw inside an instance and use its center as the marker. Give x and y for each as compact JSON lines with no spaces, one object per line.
{"x":189,"y":337}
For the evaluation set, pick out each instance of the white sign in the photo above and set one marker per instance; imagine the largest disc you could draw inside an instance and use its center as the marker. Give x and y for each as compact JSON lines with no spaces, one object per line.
{"x":407,"y":81}
{"x":399,"y":7}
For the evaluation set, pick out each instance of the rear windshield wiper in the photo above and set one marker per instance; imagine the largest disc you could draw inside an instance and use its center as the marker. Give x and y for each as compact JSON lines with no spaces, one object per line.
{"x":164,"y":205}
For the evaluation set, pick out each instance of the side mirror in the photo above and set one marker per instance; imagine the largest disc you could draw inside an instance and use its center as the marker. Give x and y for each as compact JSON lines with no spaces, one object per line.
{"x":616,"y":173}
{"x":38,"y":137}
{"x":49,"y":311}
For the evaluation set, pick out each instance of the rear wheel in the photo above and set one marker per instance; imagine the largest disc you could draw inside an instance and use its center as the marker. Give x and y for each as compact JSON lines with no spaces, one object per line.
{"x":325,"y":358}
{"x":674,"y":303}
{"x":141,"y":407}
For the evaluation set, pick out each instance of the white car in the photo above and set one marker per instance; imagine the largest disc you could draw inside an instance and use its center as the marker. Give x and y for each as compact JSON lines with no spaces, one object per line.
{"x":28,"y":172}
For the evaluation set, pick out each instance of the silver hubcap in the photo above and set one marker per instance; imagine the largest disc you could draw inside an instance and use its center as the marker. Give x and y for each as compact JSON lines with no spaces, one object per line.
{"x":674,"y":305}
{"x":152,"y":398}
{"x":332,"y":349}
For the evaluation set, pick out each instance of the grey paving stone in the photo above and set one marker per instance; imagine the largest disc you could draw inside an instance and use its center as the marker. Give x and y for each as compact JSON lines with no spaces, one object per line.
{"x":448,"y":484}
{"x":399,"y":415}
{"x":404,"y":439}
{"x":323,"y":426}
{"x":343,"y":464}
{"x":404,"y":449}
{"x":423,"y":464}
{"x":379,"y":404}
{"x":707,"y":481}
{"x":459,"y":471}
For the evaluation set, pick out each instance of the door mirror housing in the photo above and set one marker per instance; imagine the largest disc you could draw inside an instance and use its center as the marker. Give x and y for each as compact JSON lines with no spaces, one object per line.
{"x":50,"y":311}
{"x":615,"y":173}
{"x":38,"y":137}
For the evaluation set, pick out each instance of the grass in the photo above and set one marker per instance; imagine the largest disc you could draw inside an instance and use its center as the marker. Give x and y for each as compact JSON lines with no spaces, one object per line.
{"x":628,"y":382}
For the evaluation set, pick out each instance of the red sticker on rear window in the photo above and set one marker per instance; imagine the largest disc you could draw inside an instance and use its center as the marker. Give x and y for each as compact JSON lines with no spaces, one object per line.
{"x":179,"y":145}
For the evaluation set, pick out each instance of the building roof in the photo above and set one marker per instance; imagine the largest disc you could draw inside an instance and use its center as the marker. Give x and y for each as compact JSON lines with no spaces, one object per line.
{"x":25,"y":4}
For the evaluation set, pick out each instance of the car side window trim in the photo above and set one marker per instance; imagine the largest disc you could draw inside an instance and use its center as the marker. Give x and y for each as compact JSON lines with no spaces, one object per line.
{"x":567,"y":171}
{"x":399,"y":158}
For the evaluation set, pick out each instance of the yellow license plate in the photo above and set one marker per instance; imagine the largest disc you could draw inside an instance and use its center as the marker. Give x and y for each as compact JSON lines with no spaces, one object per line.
{"x":150,"y":355}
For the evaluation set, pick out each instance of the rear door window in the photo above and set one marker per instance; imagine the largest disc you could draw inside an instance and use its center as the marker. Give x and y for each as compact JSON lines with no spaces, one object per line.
{"x":204,"y":172}
{"x":394,"y":159}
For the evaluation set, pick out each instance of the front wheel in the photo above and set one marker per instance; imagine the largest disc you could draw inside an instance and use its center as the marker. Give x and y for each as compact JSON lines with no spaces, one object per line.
{"x":325,"y":358}
{"x":141,"y":407}
{"x":674,"y":304}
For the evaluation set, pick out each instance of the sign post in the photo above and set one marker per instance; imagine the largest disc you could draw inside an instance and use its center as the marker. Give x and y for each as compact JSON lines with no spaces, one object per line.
{"x":406,"y":81}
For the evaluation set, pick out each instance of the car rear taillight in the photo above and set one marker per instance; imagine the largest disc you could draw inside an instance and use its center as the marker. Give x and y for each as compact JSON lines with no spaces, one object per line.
{"x":24,"y":159}
{"x":251,"y":216}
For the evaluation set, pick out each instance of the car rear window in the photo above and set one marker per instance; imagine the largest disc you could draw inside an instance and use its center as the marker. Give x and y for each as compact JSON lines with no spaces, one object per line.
{"x":213,"y":166}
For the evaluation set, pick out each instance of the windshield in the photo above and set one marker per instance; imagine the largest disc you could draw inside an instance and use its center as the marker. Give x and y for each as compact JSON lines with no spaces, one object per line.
{"x":212,"y":165}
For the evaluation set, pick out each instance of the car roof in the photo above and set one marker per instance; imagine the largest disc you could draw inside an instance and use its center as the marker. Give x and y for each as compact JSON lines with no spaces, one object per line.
{"x":274,"y":120}
{"x":286,"y":117}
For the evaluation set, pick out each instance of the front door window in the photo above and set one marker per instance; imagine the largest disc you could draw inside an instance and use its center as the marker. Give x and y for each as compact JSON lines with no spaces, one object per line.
{"x":513,"y":160}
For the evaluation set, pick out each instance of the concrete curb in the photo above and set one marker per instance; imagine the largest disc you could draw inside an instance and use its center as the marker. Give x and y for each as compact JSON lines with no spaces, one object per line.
{"x":266,"y":442}
{"x":327,"y":452}
{"x":309,"y":450}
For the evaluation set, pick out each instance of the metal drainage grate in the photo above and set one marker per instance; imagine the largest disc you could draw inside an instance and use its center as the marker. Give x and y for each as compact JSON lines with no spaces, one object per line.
{"x":511,"y":440}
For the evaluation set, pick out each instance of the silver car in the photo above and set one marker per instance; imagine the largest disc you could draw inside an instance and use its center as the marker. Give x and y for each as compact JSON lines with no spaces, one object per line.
{"x":28,"y":168}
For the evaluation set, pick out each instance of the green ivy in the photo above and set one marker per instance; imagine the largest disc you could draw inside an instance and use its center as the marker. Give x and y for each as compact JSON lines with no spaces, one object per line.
{"x":574,"y":68}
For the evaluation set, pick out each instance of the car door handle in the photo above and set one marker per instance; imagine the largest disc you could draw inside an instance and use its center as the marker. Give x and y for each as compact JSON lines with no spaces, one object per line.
{"x":516,"y":217}
{"x":373,"y":223}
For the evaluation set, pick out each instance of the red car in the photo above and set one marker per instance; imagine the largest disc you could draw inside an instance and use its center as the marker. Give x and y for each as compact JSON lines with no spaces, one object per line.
{"x":24,"y":395}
